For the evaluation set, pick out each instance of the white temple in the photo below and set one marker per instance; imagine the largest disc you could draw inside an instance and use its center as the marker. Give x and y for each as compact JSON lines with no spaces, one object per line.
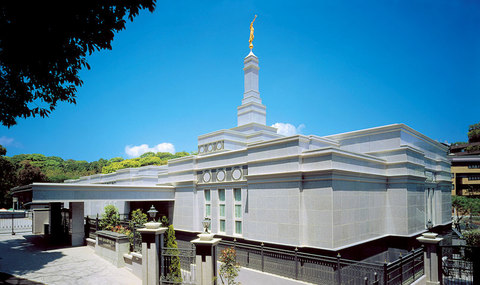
{"x":327,"y":192}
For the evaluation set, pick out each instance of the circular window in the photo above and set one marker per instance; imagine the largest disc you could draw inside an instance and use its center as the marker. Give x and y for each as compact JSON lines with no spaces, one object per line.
{"x":206,"y":177}
{"x":201,"y":149}
{"x":236,"y":174}
{"x":221,"y":175}
{"x":210,"y":147}
{"x":219,"y":146}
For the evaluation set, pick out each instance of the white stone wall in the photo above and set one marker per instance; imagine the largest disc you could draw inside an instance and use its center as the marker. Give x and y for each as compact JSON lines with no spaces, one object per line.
{"x":185,"y":208}
{"x":359,"y":210}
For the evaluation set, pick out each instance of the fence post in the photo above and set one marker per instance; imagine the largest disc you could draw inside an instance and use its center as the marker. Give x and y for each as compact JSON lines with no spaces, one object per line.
{"x":262,"y":257}
{"x":385,"y":273}
{"x":401,"y":268}
{"x":13,"y":232}
{"x":375,"y":278}
{"x":413,"y":264}
{"x":296,"y":263}
{"x":134,"y":237}
{"x":96,"y":223}
{"x":339,"y":269}
{"x":86,"y":229}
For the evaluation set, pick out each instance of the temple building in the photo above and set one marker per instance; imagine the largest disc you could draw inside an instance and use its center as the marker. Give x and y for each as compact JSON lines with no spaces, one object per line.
{"x":327,"y":192}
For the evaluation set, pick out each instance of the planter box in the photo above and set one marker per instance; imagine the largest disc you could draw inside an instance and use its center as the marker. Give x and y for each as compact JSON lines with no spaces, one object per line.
{"x":112,"y":246}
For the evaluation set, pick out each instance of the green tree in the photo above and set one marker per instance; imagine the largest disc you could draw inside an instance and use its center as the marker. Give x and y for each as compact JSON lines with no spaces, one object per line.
{"x":29,"y":174}
{"x":35,"y":77}
{"x":465,"y":207}
{"x":110,"y":218}
{"x":474,"y":133}
{"x":173,"y":264}
{"x":7,"y":178}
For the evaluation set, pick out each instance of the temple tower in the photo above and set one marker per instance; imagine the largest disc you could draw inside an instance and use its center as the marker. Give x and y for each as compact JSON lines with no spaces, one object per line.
{"x":252,"y":110}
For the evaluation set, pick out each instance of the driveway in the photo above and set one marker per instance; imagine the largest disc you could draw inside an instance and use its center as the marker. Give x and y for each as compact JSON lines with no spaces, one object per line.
{"x":32,"y":261}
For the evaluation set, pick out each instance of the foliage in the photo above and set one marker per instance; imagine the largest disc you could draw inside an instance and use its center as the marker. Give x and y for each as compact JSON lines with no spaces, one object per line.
{"x":165,"y":222}
{"x":458,"y":143}
{"x":472,"y":237}
{"x":56,"y":169}
{"x":29,"y":174}
{"x":474,"y":133}
{"x":7,"y":178}
{"x":173,"y":265}
{"x":138,"y":219}
{"x":465,"y":206}
{"x":472,"y":148}
{"x":34,"y":78}
{"x":110,"y":218}
{"x":229,"y":268}
{"x":148,"y":158}
{"x":121,"y":230}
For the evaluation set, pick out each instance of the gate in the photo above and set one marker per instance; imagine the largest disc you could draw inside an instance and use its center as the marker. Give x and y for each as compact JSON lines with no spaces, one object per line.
{"x":457,"y":264}
{"x":177,"y":266}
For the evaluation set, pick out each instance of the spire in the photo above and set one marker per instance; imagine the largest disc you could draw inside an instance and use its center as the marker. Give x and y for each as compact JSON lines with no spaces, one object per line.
{"x":252,"y":110}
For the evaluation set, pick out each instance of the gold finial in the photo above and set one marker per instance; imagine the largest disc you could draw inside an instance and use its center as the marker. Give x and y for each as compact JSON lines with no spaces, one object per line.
{"x":251,"y":33}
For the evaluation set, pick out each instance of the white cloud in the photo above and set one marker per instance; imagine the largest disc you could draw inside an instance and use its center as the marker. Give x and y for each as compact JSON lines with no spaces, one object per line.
{"x":137,"y":150}
{"x":287,"y":129}
{"x":6,"y":141}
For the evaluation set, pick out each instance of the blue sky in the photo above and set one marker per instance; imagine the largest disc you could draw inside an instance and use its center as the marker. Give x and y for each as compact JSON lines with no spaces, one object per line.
{"x":325,"y":66}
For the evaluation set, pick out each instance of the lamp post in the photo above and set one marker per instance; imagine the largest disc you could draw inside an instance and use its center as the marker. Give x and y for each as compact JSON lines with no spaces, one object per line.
{"x":206,"y":224}
{"x":429,"y":225}
{"x":152,"y":213}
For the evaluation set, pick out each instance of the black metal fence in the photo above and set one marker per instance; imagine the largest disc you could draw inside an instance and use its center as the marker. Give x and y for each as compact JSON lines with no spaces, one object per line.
{"x":327,"y":270}
{"x":171,"y":257}
{"x":458,"y":264}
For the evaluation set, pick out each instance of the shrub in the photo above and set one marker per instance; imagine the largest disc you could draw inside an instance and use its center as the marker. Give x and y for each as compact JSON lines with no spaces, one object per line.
{"x":110,"y":218}
{"x":472,"y":237}
{"x":138,"y":219}
{"x":165,"y":222}
{"x":173,"y":265}
{"x":229,"y":268}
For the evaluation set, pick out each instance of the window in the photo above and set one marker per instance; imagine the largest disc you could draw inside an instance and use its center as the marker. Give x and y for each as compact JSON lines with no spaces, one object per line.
{"x":474,"y":166}
{"x":208,"y":204}
{"x":237,"y":195}
{"x":221,"y":209}
{"x":473,"y":177}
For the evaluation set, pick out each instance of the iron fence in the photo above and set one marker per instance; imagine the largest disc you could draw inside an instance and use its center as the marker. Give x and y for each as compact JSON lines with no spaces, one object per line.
{"x":458,"y":264}
{"x":171,"y":258}
{"x":324,"y":269}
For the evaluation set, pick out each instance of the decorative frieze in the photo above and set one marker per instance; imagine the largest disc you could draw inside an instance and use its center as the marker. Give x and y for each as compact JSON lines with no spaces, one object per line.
{"x":226,"y":174}
{"x":211,"y":147}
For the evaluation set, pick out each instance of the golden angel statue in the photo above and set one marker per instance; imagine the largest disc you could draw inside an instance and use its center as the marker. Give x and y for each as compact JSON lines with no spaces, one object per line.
{"x":251,"y":33}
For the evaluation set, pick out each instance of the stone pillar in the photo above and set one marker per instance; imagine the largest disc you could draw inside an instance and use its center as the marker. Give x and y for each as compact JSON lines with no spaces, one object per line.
{"x":206,"y":259}
{"x":78,"y":230}
{"x":152,"y":244}
{"x":55,"y":222}
{"x":431,"y":258}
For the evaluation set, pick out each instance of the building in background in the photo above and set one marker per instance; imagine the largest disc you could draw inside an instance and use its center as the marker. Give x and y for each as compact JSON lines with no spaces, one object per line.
{"x":465,"y":160}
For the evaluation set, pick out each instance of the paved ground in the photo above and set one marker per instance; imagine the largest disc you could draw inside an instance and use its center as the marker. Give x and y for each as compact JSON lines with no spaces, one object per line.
{"x":30,"y":260}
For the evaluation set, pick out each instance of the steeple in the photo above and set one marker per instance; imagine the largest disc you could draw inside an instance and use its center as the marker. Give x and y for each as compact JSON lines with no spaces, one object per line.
{"x":252,"y":110}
